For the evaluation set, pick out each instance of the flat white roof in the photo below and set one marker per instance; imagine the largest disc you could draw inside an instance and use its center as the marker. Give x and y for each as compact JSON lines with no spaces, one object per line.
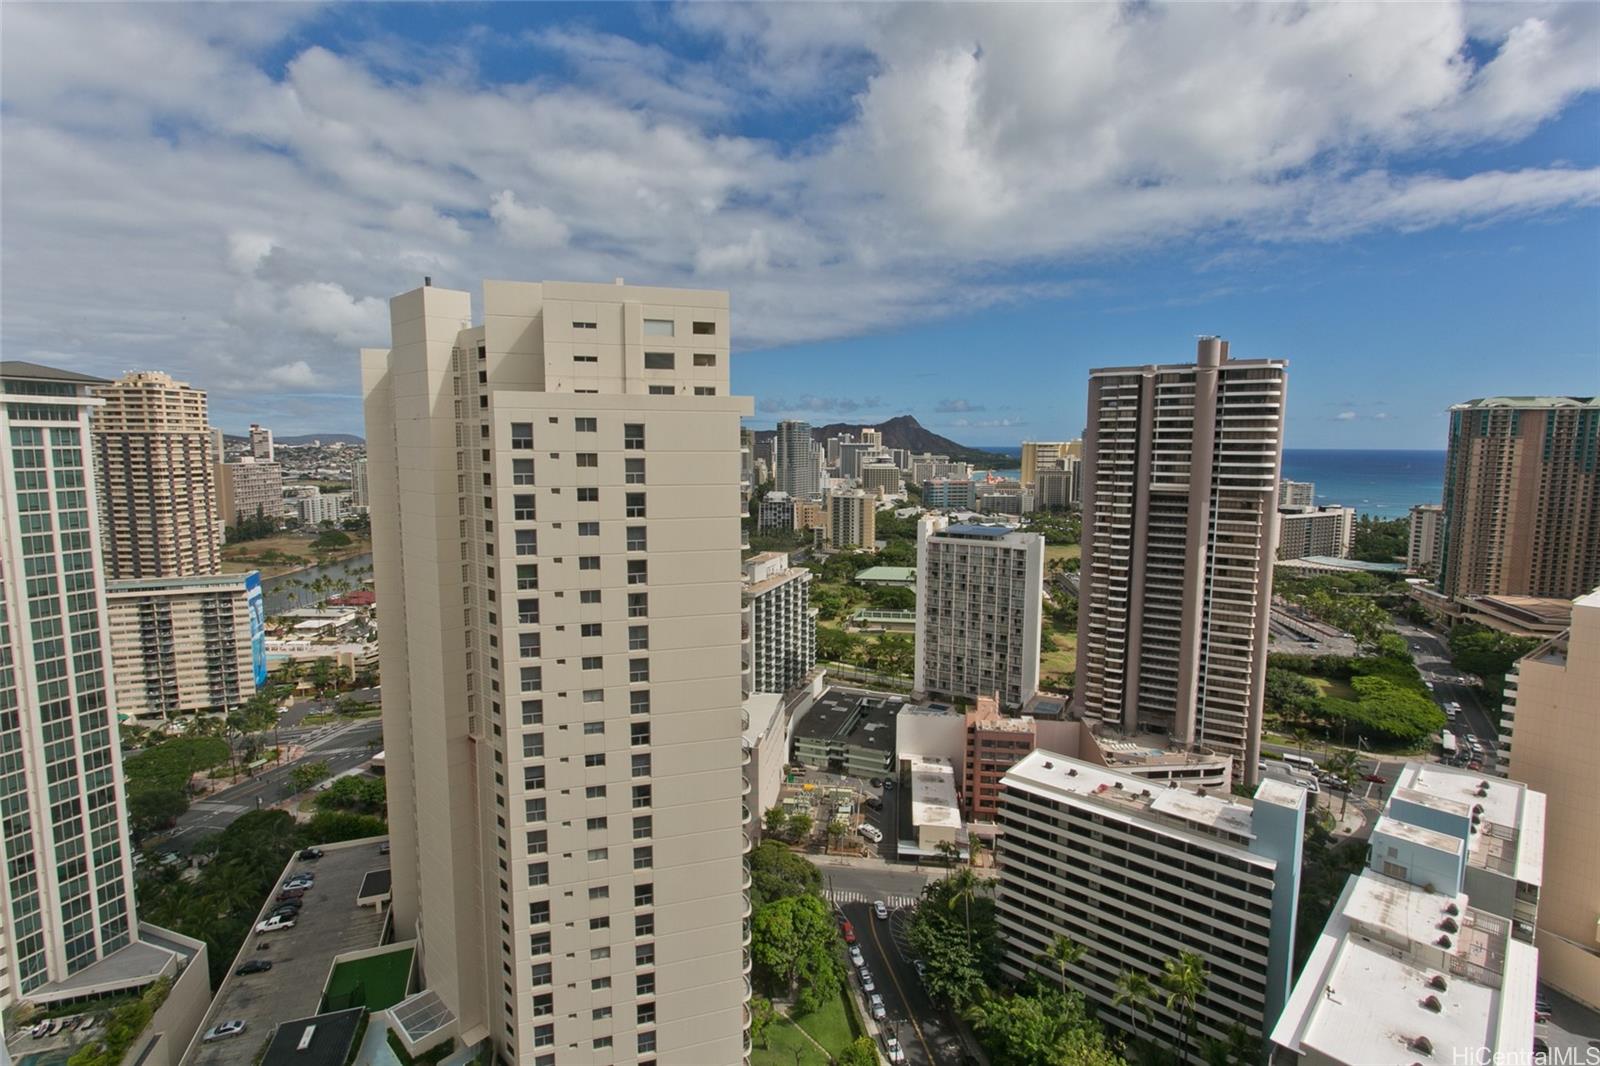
{"x":1279,"y":793}
{"x":1510,"y":837}
{"x":1430,"y":838}
{"x":762,"y":707}
{"x":933,"y":793}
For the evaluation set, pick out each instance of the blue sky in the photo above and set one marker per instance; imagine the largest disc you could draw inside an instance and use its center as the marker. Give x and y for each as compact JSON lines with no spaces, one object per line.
{"x":952,"y":212}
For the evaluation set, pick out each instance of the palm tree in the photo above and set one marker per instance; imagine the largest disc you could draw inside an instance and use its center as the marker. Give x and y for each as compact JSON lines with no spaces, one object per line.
{"x":948,"y":850}
{"x":1134,"y":991}
{"x":1346,"y":766}
{"x":1062,"y":952}
{"x":974,"y":849}
{"x":1184,"y":978}
{"x":964,"y":885}
{"x":1300,"y":737}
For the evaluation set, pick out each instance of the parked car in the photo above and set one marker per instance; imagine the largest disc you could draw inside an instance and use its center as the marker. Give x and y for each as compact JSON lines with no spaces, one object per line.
{"x":892,"y":1050}
{"x":1540,"y":1016}
{"x":1376,"y":779}
{"x":871,"y":832}
{"x":272,"y":925}
{"x":383,"y":849}
{"x":878,"y":1010}
{"x":224,"y":1030}
{"x":848,"y":930}
{"x":867,"y":983}
{"x":291,"y":893}
{"x":299,"y":882}
{"x":855,"y":957}
{"x":875,"y":803}
{"x":39,"y":1030}
{"x":283,"y":912}
{"x":311,"y":855}
{"x":254,"y":966}
{"x":880,"y":908}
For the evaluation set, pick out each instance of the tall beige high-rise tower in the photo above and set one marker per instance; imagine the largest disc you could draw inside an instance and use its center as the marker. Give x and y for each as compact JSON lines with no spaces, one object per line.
{"x":1180,"y":494}
{"x":68,"y":897}
{"x":555,"y":515}
{"x":1522,"y":497}
{"x":1551,"y":724}
{"x":153,"y":457}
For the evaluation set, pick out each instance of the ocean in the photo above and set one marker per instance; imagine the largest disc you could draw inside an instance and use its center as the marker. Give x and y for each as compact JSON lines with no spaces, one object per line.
{"x":1380,"y":483}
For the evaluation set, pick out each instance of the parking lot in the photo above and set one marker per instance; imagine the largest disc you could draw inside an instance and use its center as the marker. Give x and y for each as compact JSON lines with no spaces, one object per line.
{"x":329,"y":923}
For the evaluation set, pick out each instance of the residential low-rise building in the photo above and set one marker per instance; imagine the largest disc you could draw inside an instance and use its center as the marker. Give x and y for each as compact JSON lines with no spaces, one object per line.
{"x":186,"y":645}
{"x":1328,"y":531}
{"x":1137,"y":873}
{"x":775,"y":513}
{"x":779,"y":625}
{"x":848,"y":734}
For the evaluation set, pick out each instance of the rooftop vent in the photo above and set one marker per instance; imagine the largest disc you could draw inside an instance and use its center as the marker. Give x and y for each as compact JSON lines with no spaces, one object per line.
{"x":1048,"y":765}
{"x":427,"y":280}
{"x":1477,"y":808}
{"x":1420,"y":1043}
{"x":1443,"y":942}
{"x":1451,"y":908}
{"x":1072,"y":771}
{"x":1116,"y":784}
{"x":1144,"y":792}
{"x":1438,"y":983}
{"x":1432,"y":1003}
{"x":1448,"y":925}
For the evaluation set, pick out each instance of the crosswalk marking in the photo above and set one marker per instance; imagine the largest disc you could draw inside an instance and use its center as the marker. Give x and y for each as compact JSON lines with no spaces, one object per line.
{"x":850,"y":895}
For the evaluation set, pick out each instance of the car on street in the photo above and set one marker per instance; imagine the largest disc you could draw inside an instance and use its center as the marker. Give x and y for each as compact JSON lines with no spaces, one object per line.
{"x":878,"y":1010}
{"x":223,"y":1030}
{"x":254,"y":966}
{"x":880,"y":908}
{"x":383,"y":849}
{"x":871,"y":832}
{"x":272,"y":925}
{"x":875,"y":803}
{"x":856,"y":959}
{"x":892,"y":1050}
{"x":1540,"y":1016}
{"x":888,"y":785}
{"x":848,"y":930}
{"x":867,"y":983}
{"x":1376,"y":779}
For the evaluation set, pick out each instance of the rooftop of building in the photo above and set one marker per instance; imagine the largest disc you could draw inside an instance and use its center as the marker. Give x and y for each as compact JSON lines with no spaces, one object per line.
{"x":1057,"y":776}
{"x":1402,"y":975}
{"x":1508,"y":834}
{"x":321,"y":1040}
{"x":852,"y":718}
{"x":1532,"y":612}
{"x":1146,"y":749}
{"x":170,"y":584}
{"x":886,"y":573}
{"x":1416,"y":834}
{"x":129,"y":967}
{"x":933,"y":793}
{"x":1526,"y":402}
{"x":18,"y":369}
{"x":782,"y":577}
{"x":1020,"y":724}
{"x":766,"y":557}
{"x":761,"y":710}
{"x":1333,"y":562}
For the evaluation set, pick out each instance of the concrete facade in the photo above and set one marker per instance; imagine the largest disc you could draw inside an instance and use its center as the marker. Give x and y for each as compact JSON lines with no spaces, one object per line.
{"x":1522,"y":497}
{"x":1297,"y":493}
{"x":881,"y":479}
{"x":248,"y":489}
{"x":779,"y":626}
{"x":556,"y":532}
{"x":153,"y":457}
{"x":1325,"y":531}
{"x":949,"y":494}
{"x":797,"y":461}
{"x":262,"y":449}
{"x":180,"y":645}
{"x":68,"y":901}
{"x":1136,"y":873}
{"x":1426,"y":538}
{"x":979,"y":611}
{"x":851,"y":519}
{"x":1181,"y":466}
{"x":1551,"y":743}
{"x":1045,"y":455}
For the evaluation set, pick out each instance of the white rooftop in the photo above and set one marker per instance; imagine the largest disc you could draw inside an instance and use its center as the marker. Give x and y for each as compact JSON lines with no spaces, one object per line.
{"x":1510,"y":837}
{"x":933,"y":793}
{"x":1429,"y":838}
{"x":762,"y":707}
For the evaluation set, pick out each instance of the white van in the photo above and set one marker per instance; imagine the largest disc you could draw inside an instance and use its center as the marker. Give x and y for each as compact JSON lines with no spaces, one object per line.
{"x":872,"y":833}
{"x":1300,"y":762}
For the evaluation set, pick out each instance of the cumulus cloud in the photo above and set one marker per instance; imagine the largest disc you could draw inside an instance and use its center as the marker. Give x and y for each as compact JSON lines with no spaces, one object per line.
{"x":947,"y":158}
{"x":297,"y":374}
{"x":1346,"y":416}
{"x":957,"y":406}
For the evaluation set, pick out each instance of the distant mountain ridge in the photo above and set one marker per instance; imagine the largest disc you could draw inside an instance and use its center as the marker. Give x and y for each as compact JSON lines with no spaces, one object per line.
{"x":303,"y":438}
{"x":904,"y":431}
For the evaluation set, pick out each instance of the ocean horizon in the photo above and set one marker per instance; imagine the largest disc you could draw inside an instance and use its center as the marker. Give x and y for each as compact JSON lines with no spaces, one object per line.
{"x":1382,"y":482}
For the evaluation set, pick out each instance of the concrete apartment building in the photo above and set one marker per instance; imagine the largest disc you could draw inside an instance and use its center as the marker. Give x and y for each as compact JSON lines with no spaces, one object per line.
{"x":853,"y":455}
{"x":262,"y":450}
{"x":359,"y":493}
{"x":1551,"y":743}
{"x":1326,"y":531}
{"x":556,"y":533}
{"x":153,"y":457}
{"x":979,"y":611}
{"x":68,"y":901}
{"x":1060,"y":487}
{"x":1180,"y":530}
{"x":949,"y":494}
{"x":315,"y":508}
{"x":775,"y":512}
{"x":184,"y":645}
{"x":881,"y":479}
{"x":851,"y":519}
{"x":1004,"y":497}
{"x":1522,"y":497}
{"x":1296,"y":493}
{"x":248,"y":489}
{"x":1045,"y":455}
{"x":780,"y":625}
{"x":1136,"y":873}
{"x":797,"y":460}
{"x":1428,"y":955}
{"x":1426,"y":538}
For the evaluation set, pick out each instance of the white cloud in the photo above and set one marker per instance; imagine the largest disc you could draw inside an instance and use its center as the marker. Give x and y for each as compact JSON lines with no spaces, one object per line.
{"x":533,"y":226}
{"x":1346,"y":416}
{"x":297,"y":374}
{"x":173,"y":200}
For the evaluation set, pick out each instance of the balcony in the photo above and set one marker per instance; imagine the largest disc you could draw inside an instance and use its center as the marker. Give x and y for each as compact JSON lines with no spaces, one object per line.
{"x":747,"y":962}
{"x":746,"y":886}
{"x":744,"y":809}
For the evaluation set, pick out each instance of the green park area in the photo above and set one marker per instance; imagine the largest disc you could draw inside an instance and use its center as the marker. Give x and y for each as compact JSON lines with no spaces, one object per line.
{"x":376,"y":982}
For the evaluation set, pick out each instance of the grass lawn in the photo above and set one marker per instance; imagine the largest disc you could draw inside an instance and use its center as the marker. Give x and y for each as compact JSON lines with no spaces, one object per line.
{"x":1063,"y":658}
{"x":236,"y":558}
{"x":1327,"y":686}
{"x":830,"y":1026}
{"x":784,"y":1039}
{"x":1061,"y":551}
{"x":377,"y":981}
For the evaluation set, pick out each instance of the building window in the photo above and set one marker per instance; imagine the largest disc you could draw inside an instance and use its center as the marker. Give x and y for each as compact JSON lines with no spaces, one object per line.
{"x":644,"y":955}
{"x":593,"y":662}
{"x":527,"y":576}
{"x":662,"y":390}
{"x":522,"y":509}
{"x":590,"y":629}
{"x":527,"y":542}
{"x":594,"y":792}
{"x":639,"y":734}
{"x":638,"y":604}
{"x":588,"y":494}
{"x":642,"y":827}
{"x":705,"y":329}
{"x":600,"y":892}
{"x":641,"y":765}
{"x":639,"y":702}
{"x":633,"y":436}
{"x":591,"y":729}
{"x":591,"y":824}
{"x":534,"y":809}
{"x":585,"y":325}
{"x":636,"y":539}
{"x":658,"y":327}
{"x":589,"y":596}
{"x":528,"y":612}
{"x":533,"y":745}
{"x":594,"y":695}
{"x":704,"y":390}
{"x":644,"y":984}
{"x":638,"y":638}
{"x":638,"y":670}
{"x":601,"y":1041}
{"x":595,"y":758}
{"x":633,"y":471}
{"x":585,"y":425}
{"x":538,"y":844}
{"x":641,"y":796}
{"x":528,"y":645}
{"x":599,"y":1013}
{"x":634,"y":505}
{"x":644,"y":895}
{"x":638,"y":571}
{"x":588,"y":529}
{"x":533,"y":712}
{"x":522,"y":471}
{"x":643,"y":858}
{"x":644,"y":925}
{"x":585,"y":359}
{"x":646,"y":1013}
{"x":588,"y":562}
{"x":532,"y":679}
{"x":704,"y":359}
{"x":533,"y":778}
{"x":659,"y":361}
{"x":598,"y":855}
{"x":538,"y":874}
{"x":587,"y":459}
{"x":522,"y":436}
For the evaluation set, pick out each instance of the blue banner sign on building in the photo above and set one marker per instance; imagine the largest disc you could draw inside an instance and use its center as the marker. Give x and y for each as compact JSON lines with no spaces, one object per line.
{"x":254,"y":599}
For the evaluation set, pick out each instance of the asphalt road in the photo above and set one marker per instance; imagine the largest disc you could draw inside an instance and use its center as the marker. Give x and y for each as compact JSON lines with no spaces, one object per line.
{"x":1433,"y":659}
{"x":924,"y":1031}
{"x":340,"y":746}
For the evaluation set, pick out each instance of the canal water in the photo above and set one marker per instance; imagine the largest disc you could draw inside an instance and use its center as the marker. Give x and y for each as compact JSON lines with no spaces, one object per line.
{"x":281,"y":597}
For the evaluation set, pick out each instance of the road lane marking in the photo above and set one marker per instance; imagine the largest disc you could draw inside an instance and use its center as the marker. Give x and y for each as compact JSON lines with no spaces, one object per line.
{"x":905,"y":1000}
